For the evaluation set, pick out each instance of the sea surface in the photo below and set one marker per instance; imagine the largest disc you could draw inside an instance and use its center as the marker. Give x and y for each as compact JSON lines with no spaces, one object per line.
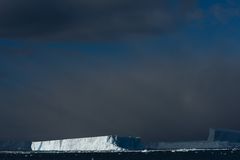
{"x":135,"y":155}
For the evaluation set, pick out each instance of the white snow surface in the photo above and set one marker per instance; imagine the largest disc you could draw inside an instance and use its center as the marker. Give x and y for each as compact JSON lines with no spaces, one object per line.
{"x":88,"y":144}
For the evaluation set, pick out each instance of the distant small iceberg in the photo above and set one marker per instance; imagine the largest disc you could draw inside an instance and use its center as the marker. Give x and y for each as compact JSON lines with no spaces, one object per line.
{"x":11,"y":145}
{"x":217,"y":139}
{"x":228,"y":135}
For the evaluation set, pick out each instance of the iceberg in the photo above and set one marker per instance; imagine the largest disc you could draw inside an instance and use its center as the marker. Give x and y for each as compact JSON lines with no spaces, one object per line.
{"x":103,"y":143}
{"x":198,"y":145}
{"x":15,"y":145}
{"x":224,"y":135}
{"x":217,"y":139}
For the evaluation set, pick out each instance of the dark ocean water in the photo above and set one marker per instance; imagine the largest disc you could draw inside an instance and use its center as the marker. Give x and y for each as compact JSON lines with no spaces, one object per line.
{"x":155,"y":155}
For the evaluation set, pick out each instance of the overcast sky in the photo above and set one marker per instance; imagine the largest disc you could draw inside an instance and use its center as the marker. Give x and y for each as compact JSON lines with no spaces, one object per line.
{"x":159,"y":69}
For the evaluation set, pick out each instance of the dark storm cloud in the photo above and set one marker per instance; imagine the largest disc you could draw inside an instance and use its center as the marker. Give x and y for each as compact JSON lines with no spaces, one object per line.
{"x":224,"y":13}
{"x":49,"y":94}
{"x":91,"y":19}
{"x":15,"y":50}
{"x":157,"y":98}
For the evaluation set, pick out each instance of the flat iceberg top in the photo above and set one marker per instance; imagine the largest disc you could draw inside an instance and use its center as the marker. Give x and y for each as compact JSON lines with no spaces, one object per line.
{"x":89,"y":144}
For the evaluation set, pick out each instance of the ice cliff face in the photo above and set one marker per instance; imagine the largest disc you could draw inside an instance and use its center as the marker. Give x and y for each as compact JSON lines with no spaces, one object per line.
{"x":89,"y":144}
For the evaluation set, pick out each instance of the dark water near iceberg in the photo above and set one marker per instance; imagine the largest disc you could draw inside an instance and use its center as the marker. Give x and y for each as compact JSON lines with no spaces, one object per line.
{"x":154,"y":155}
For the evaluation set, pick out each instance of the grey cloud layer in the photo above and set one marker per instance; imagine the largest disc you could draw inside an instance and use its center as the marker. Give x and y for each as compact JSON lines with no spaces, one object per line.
{"x":89,"y":20}
{"x":157,"y":99}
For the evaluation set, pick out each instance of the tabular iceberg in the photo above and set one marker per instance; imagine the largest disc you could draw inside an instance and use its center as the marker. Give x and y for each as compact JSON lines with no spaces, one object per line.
{"x":217,"y":139}
{"x":201,"y":145}
{"x":15,"y":145}
{"x":89,"y":144}
{"x":224,"y":135}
